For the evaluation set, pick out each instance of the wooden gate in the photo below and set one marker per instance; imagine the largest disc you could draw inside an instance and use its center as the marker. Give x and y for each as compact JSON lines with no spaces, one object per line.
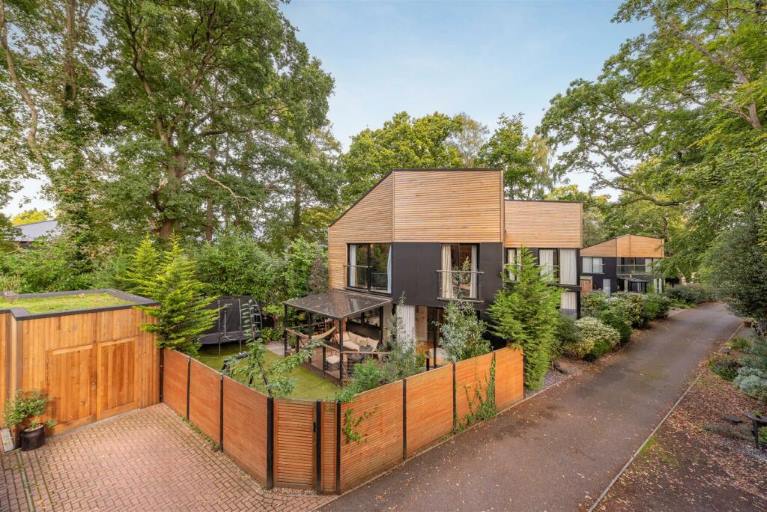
{"x":294,"y":443}
{"x":71,"y":385}
{"x":91,"y":382}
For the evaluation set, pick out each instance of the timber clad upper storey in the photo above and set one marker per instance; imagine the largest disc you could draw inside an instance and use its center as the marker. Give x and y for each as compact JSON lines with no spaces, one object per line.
{"x":543,"y":224}
{"x":440,"y":234}
{"x":625,"y":263}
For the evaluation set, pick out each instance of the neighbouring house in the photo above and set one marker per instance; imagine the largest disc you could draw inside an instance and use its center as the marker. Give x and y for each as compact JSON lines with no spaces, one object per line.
{"x":426,"y":237}
{"x":626,"y":263}
{"x":28,"y":233}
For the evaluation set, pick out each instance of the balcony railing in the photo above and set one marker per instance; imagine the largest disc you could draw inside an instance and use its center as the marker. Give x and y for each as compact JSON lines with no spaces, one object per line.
{"x":639,"y":270}
{"x":459,"y":284}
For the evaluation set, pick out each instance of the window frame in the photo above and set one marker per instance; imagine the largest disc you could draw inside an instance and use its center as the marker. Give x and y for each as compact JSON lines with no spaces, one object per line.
{"x":369,"y":267}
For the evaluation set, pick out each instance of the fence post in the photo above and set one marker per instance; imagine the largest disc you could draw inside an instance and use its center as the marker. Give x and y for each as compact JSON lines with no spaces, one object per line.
{"x":404,"y":419}
{"x":269,"y":443}
{"x":221,"y":415}
{"x":455,"y":411}
{"x":162,"y":372}
{"x":338,"y":447}
{"x":188,"y":383}
{"x":318,"y":446}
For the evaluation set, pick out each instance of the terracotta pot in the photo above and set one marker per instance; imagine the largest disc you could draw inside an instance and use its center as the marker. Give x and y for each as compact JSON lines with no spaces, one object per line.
{"x":32,"y":438}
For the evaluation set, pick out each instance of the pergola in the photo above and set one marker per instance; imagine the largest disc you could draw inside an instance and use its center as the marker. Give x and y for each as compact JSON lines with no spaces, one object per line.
{"x":337,"y":306}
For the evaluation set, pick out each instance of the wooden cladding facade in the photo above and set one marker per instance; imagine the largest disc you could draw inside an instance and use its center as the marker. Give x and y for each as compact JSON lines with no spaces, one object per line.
{"x":448,"y":206}
{"x":309,"y":444}
{"x":369,"y":220}
{"x":543,"y":224}
{"x":627,"y":246}
{"x":90,"y":364}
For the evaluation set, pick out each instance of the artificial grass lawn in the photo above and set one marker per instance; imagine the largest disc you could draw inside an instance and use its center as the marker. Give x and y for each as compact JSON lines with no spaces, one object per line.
{"x":63,"y":302}
{"x":308,"y":385}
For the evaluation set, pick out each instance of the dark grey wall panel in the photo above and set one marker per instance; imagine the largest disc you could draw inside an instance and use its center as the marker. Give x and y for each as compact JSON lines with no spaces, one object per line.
{"x":415,"y":266}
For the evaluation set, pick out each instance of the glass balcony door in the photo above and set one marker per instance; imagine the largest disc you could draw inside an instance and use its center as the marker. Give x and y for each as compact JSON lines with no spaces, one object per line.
{"x":369,"y":267}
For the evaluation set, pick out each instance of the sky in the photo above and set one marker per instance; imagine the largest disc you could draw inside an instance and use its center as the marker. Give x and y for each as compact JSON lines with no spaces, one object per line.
{"x":483,"y":58}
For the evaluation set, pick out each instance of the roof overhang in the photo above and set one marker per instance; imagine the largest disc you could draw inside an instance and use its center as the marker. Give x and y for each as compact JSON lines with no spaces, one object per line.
{"x":338,"y":304}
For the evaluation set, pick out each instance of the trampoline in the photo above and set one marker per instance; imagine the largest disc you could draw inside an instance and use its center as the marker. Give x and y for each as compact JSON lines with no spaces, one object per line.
{"x":228,"y":327}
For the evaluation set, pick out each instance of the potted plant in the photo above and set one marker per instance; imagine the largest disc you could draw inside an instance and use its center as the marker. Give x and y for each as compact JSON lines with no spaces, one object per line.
{"x":24,"y":413}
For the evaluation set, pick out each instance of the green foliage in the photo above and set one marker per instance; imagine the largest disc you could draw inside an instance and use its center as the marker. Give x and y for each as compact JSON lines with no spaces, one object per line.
{"x":183,"y":313}
{"x":47,"y":266}
{"x":25,"y":409}
{"x":142,"y":269}
{"x":523,"y":159}
{"x":739,"y":343}
{"x":593,"y":303}
{"x":689,"y":294}
{"x":675,"y":120}
{"x":402,"y":361}
{"x":525,"y":313}
{"x":596,"y":339}
{"x":737,"y":268}
{"x":753,"y":382}
{"x":235,"y":264}
{"x":402,"y":142}
{"x":724,"y":366}
{"x":655,"y":306}
{"x":615,"y":315}
{"x":462,"y":332}
{"x":30,"y":216}
{"x":567,"y":334}
{"x":632,"y":305}
{"x":481,"y":408}
{"x":368,"y":374}
{"x":300,"y":261}
{"x":274,"y":379}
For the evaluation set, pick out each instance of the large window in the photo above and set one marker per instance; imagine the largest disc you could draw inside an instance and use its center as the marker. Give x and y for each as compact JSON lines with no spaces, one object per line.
{"x":369,"y":267}
{"x":592,"y":265}
{"x":568,"y":267}
{"x":512,"y":263}
{"x":458,"y":272}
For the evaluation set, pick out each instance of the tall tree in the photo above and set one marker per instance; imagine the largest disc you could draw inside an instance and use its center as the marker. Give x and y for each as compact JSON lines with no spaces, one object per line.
{"x":49,"y":85}
{"x":402,"y":142}
{"x":202,"y":89}
{"x":524,"y":160}
{"x":677,"y":116}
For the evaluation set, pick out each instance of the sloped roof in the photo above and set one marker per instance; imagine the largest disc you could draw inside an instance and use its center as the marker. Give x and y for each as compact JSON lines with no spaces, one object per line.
{"x":34,"y":230}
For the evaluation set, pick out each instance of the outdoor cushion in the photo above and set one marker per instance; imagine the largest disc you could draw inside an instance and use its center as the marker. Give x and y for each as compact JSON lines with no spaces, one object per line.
{"x":350,"y":345}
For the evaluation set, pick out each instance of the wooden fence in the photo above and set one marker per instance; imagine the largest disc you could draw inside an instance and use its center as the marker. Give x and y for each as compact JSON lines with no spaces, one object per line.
{"x":328,"y":446}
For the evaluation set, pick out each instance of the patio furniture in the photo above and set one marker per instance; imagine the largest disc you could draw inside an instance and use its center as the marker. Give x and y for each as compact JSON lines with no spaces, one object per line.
{"x":339,"y":306}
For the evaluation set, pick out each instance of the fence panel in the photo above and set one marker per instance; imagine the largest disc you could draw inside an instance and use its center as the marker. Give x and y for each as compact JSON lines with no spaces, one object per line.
{"x":245,"y":428}
{"x":329,"y":454}
{"x":175,"y":380}
{"x":509,"y":377}
{"x":205,"y":399}
{"x":294,"y":454}
{"x":376,"y":416}
{"x":429,"y":406}
{"x":471,"y":382}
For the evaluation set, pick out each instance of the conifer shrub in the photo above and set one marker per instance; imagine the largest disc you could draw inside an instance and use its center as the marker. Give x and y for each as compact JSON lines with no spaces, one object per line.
{"x":526,"y":314}
{"x":183,"y":312}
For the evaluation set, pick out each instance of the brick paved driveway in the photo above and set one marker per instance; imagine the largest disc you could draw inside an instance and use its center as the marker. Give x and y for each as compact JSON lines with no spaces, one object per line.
{"x":147,"y":460}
